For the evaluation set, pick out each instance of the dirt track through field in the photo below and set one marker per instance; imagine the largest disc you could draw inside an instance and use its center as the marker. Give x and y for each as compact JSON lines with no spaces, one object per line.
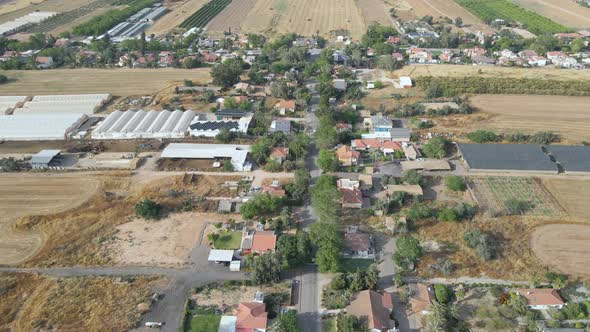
{"x":563,"y":247}
{"x":22,"y":195}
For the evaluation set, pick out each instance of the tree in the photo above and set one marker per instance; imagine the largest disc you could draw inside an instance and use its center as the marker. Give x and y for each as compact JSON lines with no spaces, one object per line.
{"x":225,"y":135}
{"x":272,"y":165}
{"x":148,"y":209}
{"x":286,"y":322}
{"x":325,"y":198}
{"x":412,"y":177}
{"x":455,"y":183}
{"x":482,"y":136}
{"x":260,"y":204}
{"x":266,"y":268}
{"x":9,"y":165}
{"x":3,"y":79}
{"x":516,"y":206}
{"x":372,"y":277}
{"x":408,"y":251}
{"x":434,"y":91}
{"x":228,"y":73}
{"x":327,"y":161}
{"x":442,"y":294}
{"x":484,"y":244}
{"x":326,"y":237}
{"x":458,"y":22}
{"x":436,"y":148}
{"x":544,"y":138}
{"x":260,"y":150}
{"x":328,"y":258}
{"x":298,"y":188}
{"x":326,"y":135}
{"x":447,"y":214}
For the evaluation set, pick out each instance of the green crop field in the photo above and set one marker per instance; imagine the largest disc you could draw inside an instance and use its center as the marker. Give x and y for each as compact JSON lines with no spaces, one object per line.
{"x":205,"y":14}
{"x":489,"y":10}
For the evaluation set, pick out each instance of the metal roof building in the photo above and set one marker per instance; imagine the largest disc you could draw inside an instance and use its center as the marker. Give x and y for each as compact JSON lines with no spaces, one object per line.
{"x":43,"y":158}
{"x":573,"y":159}
{"x":218,"y":255}
{"x":84,"y":104}
{"x":506,"y":157}
{"x":32,"y":127}
{"x":144,"y":124}
{"x":237,"y":153}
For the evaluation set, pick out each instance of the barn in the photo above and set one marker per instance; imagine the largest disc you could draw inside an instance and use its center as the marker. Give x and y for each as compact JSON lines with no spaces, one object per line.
{"x":524,"y":158}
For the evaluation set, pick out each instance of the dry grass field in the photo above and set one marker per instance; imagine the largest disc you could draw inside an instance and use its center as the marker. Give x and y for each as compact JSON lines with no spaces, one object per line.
{"x":37,"y":303}
{"x":119,"y":82}
{"x":18,"y":8}
{"x":24,"y":195}
{"x":491,"y":71}
{"x":566,"y":12}
{"x":375,"y":11}
{"x":563,"y":247}
{"x":567,"y":116}
{"x":231,"y":17}
{"x":179,"y":11}
{"x":573,"y":195}
{"x":305,"y":17}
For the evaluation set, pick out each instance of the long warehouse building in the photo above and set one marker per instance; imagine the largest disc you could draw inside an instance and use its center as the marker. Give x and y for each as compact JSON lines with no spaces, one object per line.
{"x":33,"y":127}
{"x":82,"y":104}
{"x":144,"y":124}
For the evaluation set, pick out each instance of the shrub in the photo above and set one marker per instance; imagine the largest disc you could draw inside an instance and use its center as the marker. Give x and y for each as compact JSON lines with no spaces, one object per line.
{"x":420,"y":211}
{"x":148,"y":209}
{"x":436,"y":148}
{"x":447,"y":214}
{"x":516,"y":206}
{"x":442,"y":294}
{"x":482,"y":136}
{"x":484,"y":244}
{"x":412,"y":177}
{"x":3,"y":79}
{"x":455,"y":183}
{"x":543,"y":138}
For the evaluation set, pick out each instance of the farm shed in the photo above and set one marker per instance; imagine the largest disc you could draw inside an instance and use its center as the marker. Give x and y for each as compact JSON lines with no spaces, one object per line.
{"x":573,"y":159}
{"x":44,"y":159}
{"x":83,"y":104}
{"x":506,"y":157}
{"x":221,"y":256}
{"x":201,"y":127}
{"x":32,"y":127}
{"x":144,"y":124}
{"x":237,"y":153}
{"x":427,"y":165}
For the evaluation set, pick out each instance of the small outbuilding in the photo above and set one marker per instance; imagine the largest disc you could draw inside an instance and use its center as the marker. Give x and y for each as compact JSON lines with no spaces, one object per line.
{"x":45,"y":159}
{"x":221,"y":256}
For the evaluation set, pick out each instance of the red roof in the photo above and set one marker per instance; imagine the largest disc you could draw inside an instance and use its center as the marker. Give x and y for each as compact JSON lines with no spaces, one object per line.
{"x":541,"y":296}
{"x":357,"y":241}
{"x":367,"y":143}
{"x":263,"y":241}
{"x":351,"y":196}
{"x":391,"y":145}
{"x":344,"y":151}
{"x":373,"y":307}
{"x":281,"y":152}
{"x":276,"y":191}
{"x":288,"y":104}
{"x":392,"y":40}
{"x":250,"y":316}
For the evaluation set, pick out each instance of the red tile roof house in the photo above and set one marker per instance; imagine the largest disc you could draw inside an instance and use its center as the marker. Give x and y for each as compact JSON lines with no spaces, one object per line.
{"x":263,"y":241}
{"x":347,"y":156}
{"x":390,"y":147}
{"x":541,"y":298}
{"x":351,"y":198}
{"x":251,"y":317}
{"x":44,"y":62}
{"x":274,"y":190}
{"x":358,"y":245}
{"x":279,"y":154}
{"x":421,"y":297}
{"x":375,"y":309}
{"x":284,"y":106}
{"x":365,"y":144}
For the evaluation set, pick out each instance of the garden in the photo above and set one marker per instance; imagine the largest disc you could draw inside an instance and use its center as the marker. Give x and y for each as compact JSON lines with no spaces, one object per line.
{"x":205,"y":14}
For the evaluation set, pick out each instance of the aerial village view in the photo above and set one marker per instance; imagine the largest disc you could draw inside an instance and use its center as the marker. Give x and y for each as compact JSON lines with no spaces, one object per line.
{"x":295,"y":165}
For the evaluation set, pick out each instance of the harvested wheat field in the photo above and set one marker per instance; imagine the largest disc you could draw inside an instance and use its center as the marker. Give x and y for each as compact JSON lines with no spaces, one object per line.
{"x":38,"y":303}
{"x":566,"y":12}
{"x":24,"y":195}
{"x":567,"y":116}
{"x":573,"y":195}
{"x":167,"y":242}
{"x":516,"y":260}
{"x":446,"y":8}
{"x":375,"y":11}
{"x":119,"y":82}
{"x":306,"y":17}
{"x":491,"y":71}
{"x":563,"y":247}
{"x":231,"y":17}
{"x":179,"y":11}
{"x":18,"y":8}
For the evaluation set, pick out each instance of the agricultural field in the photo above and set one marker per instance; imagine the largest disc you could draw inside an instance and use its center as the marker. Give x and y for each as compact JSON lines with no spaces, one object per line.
{"x":493,"y":194}
{"x":573,"y":195}
{"x":20,"y":8}
{"x":489,"y":10}
{"x":375,"y":11}
{"x":444,"y":8}
{"x":568,"y":116}
{"x":563,"y":247}
{"x":231,"y":17}
{"x":119,"y":82}
{"x":24,"y":195}
{"x":205,"y":14}
{"x":565,"y":12}
{"x":32,"y":302}
{"x":179,"y":12}
{"x":490,"y":71}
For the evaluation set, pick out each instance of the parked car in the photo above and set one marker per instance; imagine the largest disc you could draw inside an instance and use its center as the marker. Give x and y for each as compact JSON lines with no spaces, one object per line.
{"x":152,"y":325}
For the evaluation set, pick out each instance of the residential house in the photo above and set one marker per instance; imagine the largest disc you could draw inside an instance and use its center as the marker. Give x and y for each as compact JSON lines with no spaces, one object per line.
{"x":525,"y":54}
{"x":420,"y":55}
{"x":251,"y":317}
{"x":284,"y":106}
{"x":274,"y":189}
{"x":390,"y":147}
{"x":378,"y":123}
{"x":375,"y":309}
{"x":541,"y":298}
{"x":351,"y":198}
{"x":347,"y":184}
{"x":421,"y":297}
{"x":411,"y":152}
{"x":483,"y":60}
{"x":347,"y":156}
{"x":358,"y":245}
{"x":392,"y":40}
{"x":44,"y":62}
{"x":208,"y":57}
{"x":397,"y":56}
{"x":166,"y":59}
{"x":365,"y":144}
{"x":280,"y":125}
{"x":279,"y":154}
{"x":537,"y":61}
{"x":341,"y":127}
{"x":258,"y":242}
{"x":562,"y":60}
{"x":475,"y":52}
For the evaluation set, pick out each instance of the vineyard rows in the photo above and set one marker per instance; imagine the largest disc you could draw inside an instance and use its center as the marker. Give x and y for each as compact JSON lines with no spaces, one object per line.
{"x":492,"y":193}
{"x":205,"y":14}
{"x":67,"y":17}
{"x":490,"y":10}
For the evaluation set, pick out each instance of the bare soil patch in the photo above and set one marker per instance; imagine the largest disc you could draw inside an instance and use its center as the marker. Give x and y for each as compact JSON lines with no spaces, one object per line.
{"x":566,"y":12}
{"x":119,"y":82}
{"x":567,"y":116}
{"x":36,"y":194}
{"x":563,"y":247}
{"x":233,"y":295}
{"x":179,"y":11}
{"x":573,"y":195}
{"x":33,"y":302}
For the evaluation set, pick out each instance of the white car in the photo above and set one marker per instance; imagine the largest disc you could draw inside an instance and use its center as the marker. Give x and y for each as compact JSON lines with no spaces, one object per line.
{"x":153,"y":324}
